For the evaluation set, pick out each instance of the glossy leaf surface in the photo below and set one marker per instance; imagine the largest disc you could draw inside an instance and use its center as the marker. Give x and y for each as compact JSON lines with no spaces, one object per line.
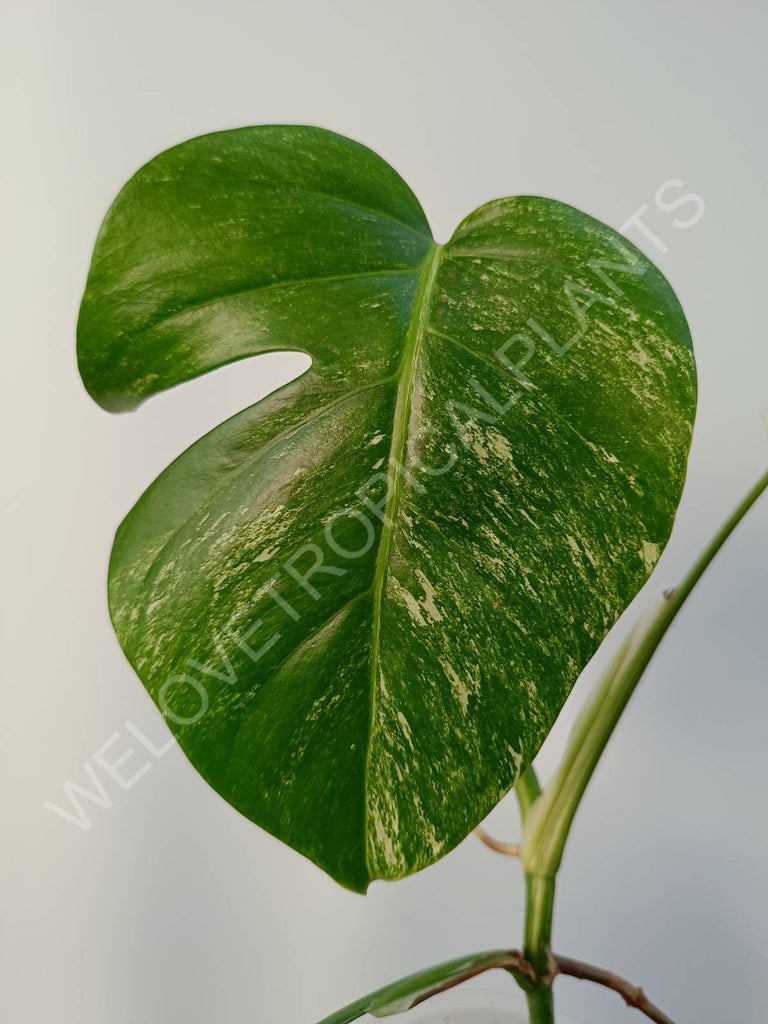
{"x":362,"y":601}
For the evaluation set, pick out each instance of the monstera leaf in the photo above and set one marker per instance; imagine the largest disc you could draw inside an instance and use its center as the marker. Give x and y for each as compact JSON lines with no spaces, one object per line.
{"x":361,"y":602}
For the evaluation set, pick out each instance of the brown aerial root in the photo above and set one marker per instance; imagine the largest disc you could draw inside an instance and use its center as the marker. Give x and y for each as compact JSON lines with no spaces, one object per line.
{"x":509,"y":849}
{"x":516,"y":963}
{"x":632,"y":995}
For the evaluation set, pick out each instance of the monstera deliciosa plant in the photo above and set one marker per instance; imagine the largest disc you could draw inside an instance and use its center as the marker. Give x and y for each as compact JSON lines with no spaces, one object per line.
{"x":361,"y":602}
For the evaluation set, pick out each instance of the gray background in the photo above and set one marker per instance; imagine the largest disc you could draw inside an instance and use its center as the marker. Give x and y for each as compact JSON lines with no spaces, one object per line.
{"x":172,"y":907}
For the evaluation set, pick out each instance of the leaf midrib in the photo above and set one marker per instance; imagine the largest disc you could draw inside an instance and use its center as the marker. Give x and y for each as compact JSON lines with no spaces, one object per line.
{"x":406,"y":375}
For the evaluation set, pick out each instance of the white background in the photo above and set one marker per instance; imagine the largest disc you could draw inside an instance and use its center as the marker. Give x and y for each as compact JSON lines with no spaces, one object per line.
{"x":172,"y":908}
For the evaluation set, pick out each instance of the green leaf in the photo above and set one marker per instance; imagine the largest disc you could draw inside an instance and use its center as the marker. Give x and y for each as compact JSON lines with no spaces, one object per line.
{"x":408,"y":992}
{"x":362,"y":602}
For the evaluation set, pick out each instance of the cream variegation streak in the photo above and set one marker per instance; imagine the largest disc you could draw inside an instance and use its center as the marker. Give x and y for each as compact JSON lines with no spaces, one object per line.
{"x":368,"y":595}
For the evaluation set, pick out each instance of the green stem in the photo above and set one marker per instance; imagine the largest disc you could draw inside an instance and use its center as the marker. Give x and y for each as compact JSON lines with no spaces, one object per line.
{"x":541,"y":1006}
{"x":539,"y":906}
{"x":548,"y":823}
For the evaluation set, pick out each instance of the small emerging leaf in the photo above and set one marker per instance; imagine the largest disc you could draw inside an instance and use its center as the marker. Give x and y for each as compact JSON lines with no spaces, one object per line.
{"x":362,"y":602}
